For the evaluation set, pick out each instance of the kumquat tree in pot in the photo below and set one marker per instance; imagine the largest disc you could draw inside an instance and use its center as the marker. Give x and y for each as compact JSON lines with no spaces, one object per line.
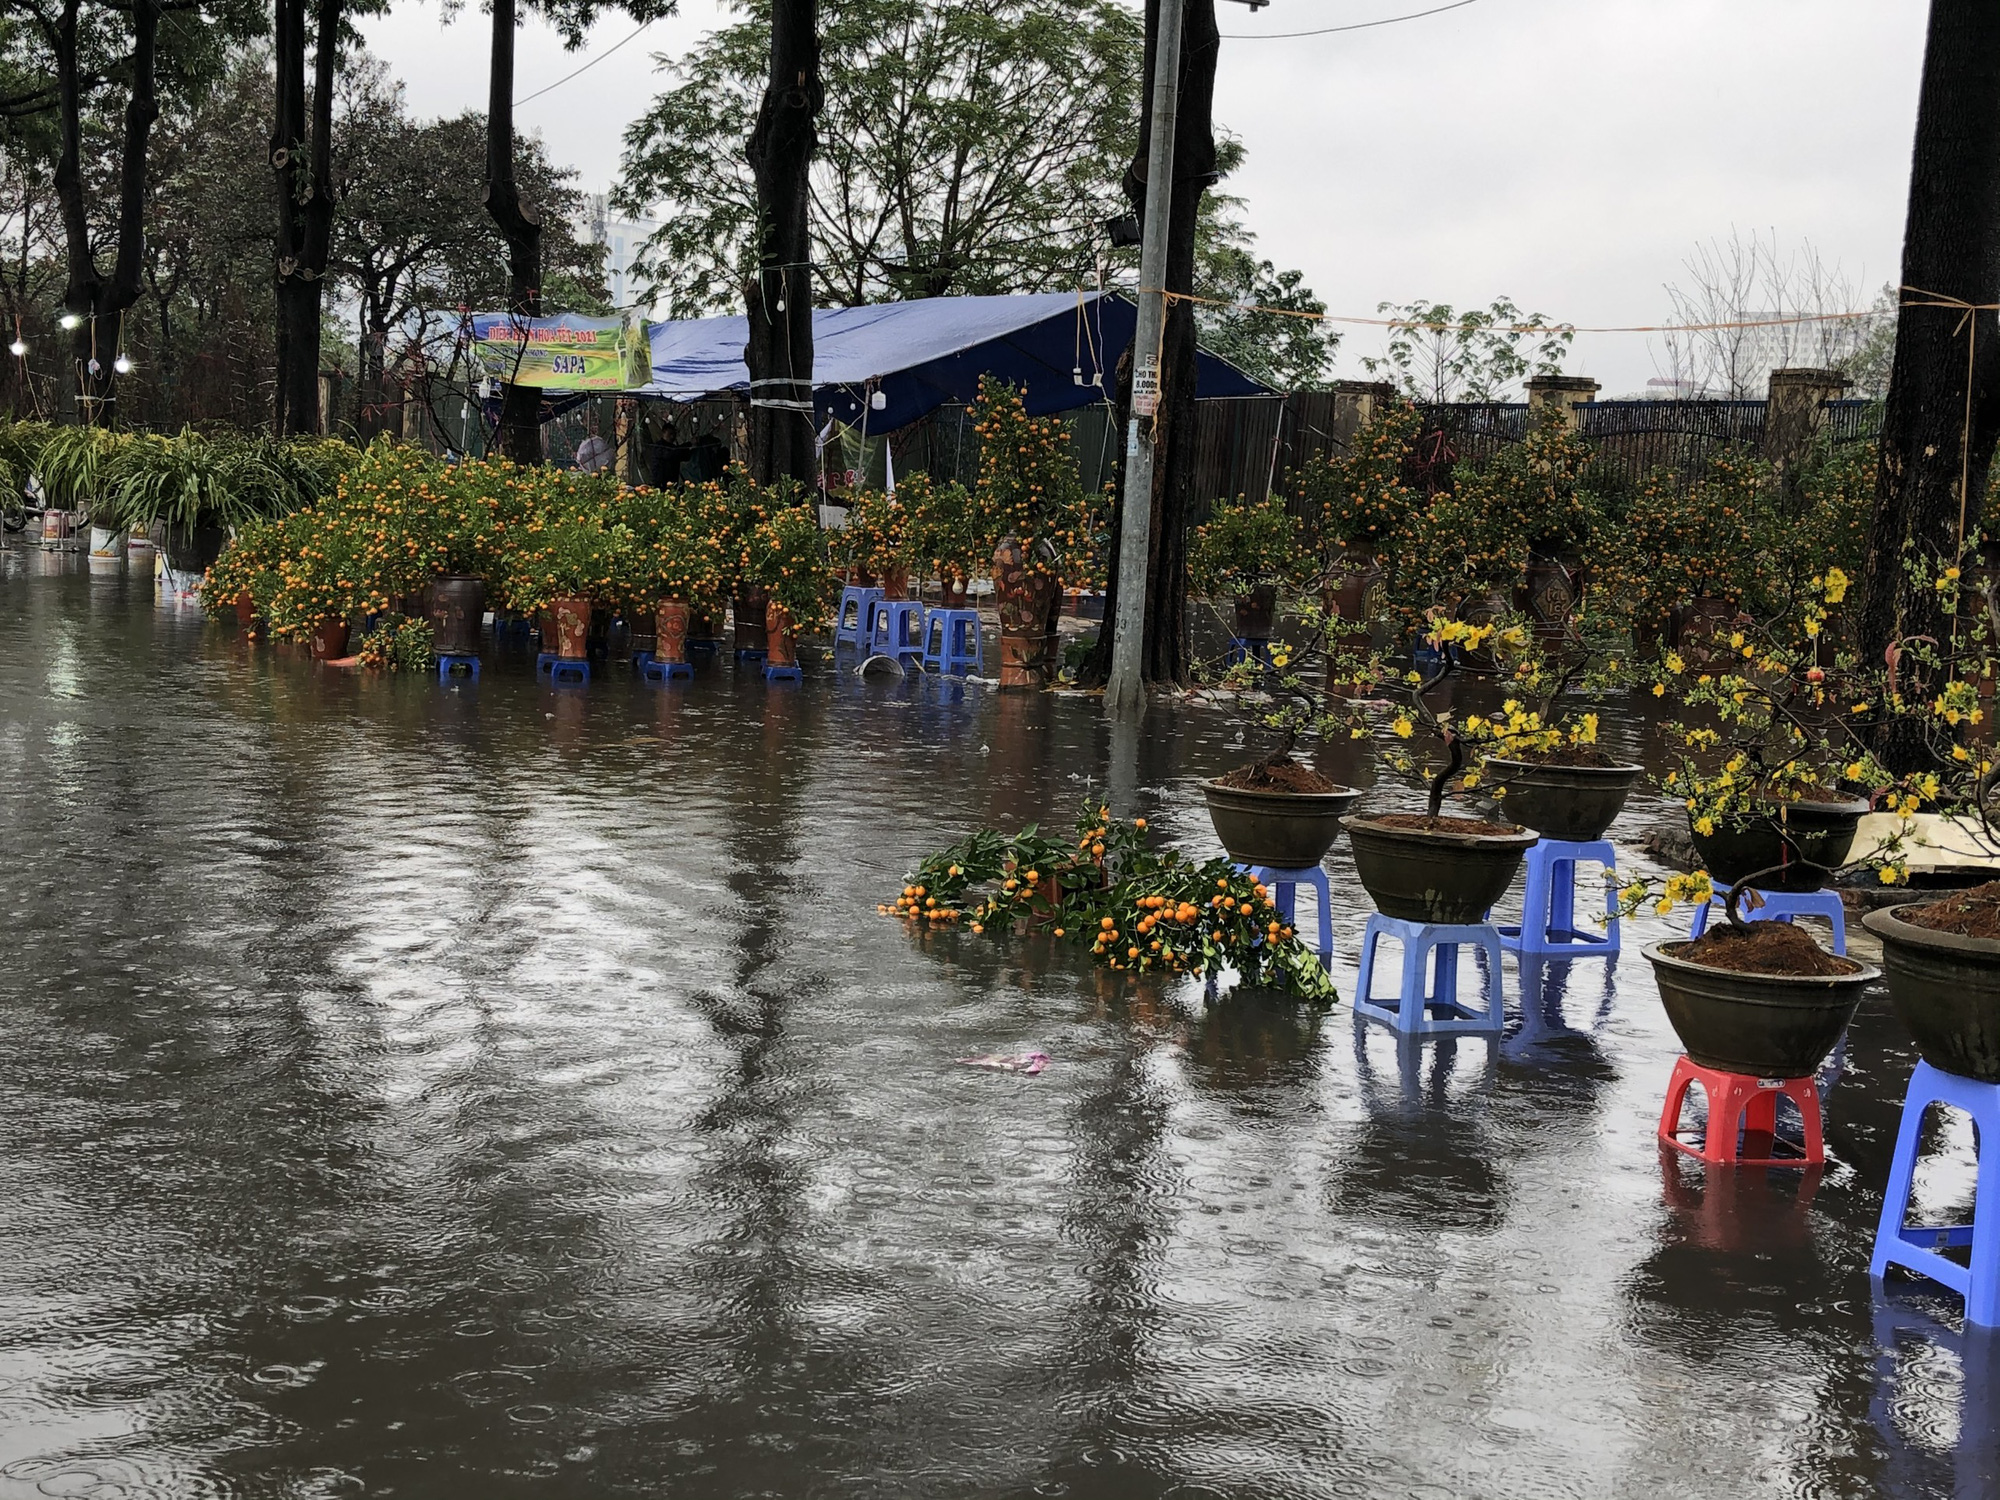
{"x":1133,"y":908}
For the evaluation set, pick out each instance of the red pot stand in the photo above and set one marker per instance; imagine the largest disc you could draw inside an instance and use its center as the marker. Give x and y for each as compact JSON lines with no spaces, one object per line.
{"x":1741,"y":1103}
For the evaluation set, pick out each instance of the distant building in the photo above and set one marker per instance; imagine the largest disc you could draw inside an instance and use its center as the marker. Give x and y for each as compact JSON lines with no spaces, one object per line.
{"x":621,"y":239}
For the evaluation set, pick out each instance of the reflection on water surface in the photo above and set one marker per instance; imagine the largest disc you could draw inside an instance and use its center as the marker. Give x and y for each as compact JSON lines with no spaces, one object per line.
{"x":482,"y":1091}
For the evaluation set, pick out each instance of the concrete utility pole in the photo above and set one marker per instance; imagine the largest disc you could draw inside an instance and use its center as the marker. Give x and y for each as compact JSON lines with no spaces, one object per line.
{"x":1125,"y":692}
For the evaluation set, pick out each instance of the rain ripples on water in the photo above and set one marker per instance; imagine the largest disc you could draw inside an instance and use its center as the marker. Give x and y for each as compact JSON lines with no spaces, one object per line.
{"x":493,"y":1090}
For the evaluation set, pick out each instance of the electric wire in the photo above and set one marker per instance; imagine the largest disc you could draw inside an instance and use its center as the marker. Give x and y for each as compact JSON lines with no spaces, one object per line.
{"x":606,"y":53}
{"x":1279,"y":36}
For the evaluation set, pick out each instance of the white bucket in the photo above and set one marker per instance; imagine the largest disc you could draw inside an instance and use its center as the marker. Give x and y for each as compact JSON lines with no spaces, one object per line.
{"x":106,"y":543}
{"x":139,"y":545}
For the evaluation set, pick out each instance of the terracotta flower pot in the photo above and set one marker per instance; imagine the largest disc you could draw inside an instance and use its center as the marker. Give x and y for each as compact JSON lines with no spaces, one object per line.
{"x":572,"y":628}
{"x":329,"y":641}
{"x":896,"y":583}
{"x":750,"y":616}
{"x":780,"y":644}
{"x":670,"y":625}
{"x":246,"y":610}
{"x":1026,"y":598}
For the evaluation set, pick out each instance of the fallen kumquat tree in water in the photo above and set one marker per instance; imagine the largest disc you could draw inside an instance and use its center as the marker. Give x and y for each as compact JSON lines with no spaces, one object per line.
{"x":1134,"y":907}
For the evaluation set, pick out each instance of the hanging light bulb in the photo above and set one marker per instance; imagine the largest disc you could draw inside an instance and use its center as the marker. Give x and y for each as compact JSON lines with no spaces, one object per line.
{"x":70,"y":320}
{"x":879,"y":400}
{"x":17,"y":348}
{"x":122,"y":364}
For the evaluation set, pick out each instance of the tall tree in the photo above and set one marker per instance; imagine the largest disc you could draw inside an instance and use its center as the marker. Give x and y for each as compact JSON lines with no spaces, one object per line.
{"x":778,"y":294}
{"x":304,"y":168}
{"x":408,"y":237}
{"x":1164,"y":658}
{"x":515,"y":213}
{"x":145,"y":44}
{"x":964,"y":146}
{"x":1943,"y":411}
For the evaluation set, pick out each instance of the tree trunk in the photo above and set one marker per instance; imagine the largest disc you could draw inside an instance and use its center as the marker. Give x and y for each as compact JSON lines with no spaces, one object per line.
{"x":1938,"y":435}
{"x":520,"y":226}
{"x":779,"y":297}
{"x":100,"y":305}
{"x":372,"y":419}
{"x":1164,"y":658}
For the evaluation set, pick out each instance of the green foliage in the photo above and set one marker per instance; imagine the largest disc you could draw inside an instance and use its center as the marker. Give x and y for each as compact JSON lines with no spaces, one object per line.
{"x":1476,"y":538}
{"x":668,"y":552}
{"x":944,"y":532}
{"x":1438,"y":354}
{"x":249,"y":564}
{"x":1680,"y":542}
{"x":788,"y":557}
{"x":876,"y":538}
{"x":1028,"y":486}
{"x":1357,"y":497}
{"x":964,"y":148}
{"x":1243,"y":545}
{"x":398,"y":644}
{"x":1137,"y":909}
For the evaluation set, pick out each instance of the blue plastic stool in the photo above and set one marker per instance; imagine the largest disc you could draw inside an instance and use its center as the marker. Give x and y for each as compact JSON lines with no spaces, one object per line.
{"x":575,"y":670}
{"x":655,"y":670}
{"x":1285,"y":885}
{"x":1896,"y":1243}
{"x":751,"y":653}
{"x":543,"y":661}
{"x":1243,"y":648}
{"x":1782,"y":906}
{"x":898,"y":630}
{"x":946,"y":636}
{"x":703,"y":648}
{"x":1440,"y":1012}
{"x":448,"y":661}
{"x":855,"y":621}
{"x":639,"y":660}
{"x":782,"y":674}
{"x":1548,"y":907}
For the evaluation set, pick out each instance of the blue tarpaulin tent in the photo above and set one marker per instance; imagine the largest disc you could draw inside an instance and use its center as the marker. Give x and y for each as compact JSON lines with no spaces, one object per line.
{"x":1056,"y":346}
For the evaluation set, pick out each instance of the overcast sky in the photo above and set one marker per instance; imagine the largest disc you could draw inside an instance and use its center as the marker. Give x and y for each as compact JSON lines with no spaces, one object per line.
{"x":1565,"y":153}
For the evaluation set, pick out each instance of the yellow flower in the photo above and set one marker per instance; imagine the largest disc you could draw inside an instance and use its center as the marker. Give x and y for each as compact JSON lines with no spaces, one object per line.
{"x":1887,"y":874}
{"x":1659,"y":690}
{"x":1704,"y":826}
{"x":1404,"y":729}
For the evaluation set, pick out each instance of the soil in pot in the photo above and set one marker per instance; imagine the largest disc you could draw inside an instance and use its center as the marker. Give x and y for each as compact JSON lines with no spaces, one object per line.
{"x":1422,"y":824}
{"x":1278,"y":774}
{"x":1943,"y":962}
{"x":1974,"y":913}
{"x":1764,"y":948}
{"x":1277,"y":813}
{"x":1769,"y":1002}
{"x":1445,"y":869}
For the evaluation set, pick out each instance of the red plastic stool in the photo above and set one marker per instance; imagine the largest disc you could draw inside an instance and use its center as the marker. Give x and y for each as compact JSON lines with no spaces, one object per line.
{"x":1740,"y":1101}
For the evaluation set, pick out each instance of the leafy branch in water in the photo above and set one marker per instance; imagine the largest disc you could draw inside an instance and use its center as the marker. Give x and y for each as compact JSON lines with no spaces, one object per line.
{"x":1136,"y":908}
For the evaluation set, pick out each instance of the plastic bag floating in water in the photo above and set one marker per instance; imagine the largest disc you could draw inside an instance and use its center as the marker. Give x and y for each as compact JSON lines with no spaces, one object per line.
{"x":1029,"y":1063}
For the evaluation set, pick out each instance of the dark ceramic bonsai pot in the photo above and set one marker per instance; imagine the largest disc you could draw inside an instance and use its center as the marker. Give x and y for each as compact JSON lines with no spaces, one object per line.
{"x":1281,"y":830}
{"x":1763,"y":1025}
{"x":1422,"y":876}
{"x":1571,"y":803}
{"x":1810,"y":844}
{"x":1946,"y":988}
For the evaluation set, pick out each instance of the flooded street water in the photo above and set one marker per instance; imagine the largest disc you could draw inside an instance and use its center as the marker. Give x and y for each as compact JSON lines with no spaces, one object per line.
{"x":491,"y":1091}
